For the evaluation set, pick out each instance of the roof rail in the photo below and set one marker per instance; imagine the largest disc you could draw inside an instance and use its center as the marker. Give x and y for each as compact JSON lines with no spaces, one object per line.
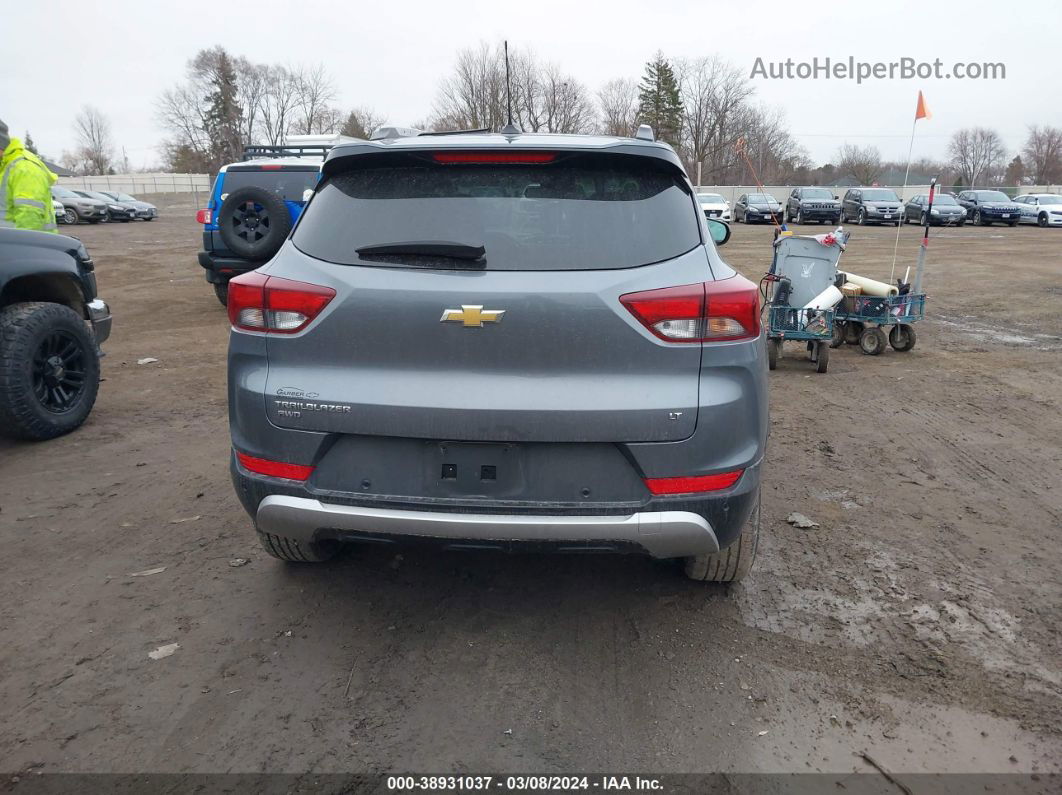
{"x":268,"y":150}
{"x":457,"y":132}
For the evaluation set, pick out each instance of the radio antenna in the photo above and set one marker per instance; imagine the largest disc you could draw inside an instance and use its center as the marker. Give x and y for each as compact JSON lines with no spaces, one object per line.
{"x":509,"y":128}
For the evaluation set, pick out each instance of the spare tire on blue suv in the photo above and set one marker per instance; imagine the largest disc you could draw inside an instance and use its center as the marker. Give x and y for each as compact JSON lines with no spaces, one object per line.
{"x":253,"y":223}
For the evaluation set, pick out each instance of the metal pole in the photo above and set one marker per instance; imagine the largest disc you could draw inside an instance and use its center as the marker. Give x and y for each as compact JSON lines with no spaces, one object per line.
{"x":916,"y":288}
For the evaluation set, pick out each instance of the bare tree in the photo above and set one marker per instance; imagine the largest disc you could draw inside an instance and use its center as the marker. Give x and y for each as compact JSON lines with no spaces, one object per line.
{"x":96,"y":147}
{"x":713,"y":93}
{"x":281,"y":103}
{"x":1043,"y":154}
{"x":861,"y":163}
{"x":316,"y":93}
{"x":617,"y":103}
{"x":252,"y":81}
{"x":474,"y":95}
{"x":977,"y":154}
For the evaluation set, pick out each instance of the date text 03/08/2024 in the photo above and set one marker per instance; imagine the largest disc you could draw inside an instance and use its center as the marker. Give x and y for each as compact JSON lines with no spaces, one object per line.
{"x":522,"y":783}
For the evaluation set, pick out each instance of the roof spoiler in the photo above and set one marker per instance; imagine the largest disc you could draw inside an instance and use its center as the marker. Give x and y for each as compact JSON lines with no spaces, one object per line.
{"x":390,"y":133}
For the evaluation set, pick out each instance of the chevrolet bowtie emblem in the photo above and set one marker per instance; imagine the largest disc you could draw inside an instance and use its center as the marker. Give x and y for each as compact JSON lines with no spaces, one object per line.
{"x":472,"y":315}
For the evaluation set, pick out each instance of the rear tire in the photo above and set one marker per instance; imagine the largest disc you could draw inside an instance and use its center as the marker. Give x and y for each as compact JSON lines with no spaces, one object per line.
{"x":1041,"y":220}
{"x":293,"y":551}
{"x":837,"y":335}
{"x":222,"y":292}
{"x":822,"y":357}
{"x":852,"y":330}
{"x":733,"y":563}
{"x":774,"y":351}
{"x":872,"y":341}
{"x":70,"y":216}
{"x":902,"y":337}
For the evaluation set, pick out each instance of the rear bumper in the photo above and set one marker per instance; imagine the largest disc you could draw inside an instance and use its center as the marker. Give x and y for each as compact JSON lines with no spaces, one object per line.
{"x":663,"y":534}
{"x":220,"y":269}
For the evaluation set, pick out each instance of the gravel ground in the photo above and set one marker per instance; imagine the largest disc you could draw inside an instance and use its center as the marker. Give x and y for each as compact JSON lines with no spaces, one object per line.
{"x":918,"y":623}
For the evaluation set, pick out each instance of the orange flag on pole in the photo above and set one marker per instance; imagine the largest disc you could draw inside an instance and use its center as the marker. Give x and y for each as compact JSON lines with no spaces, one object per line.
{"x":921,"y":111}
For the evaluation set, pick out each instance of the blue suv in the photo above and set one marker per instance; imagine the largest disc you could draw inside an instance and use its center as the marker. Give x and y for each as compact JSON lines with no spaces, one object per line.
{"x":253,"y":206}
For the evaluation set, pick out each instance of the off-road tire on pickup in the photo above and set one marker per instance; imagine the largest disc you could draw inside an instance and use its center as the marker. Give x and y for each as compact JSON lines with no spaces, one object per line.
{"x":296,"y":551}
{"x":46,"y":353}
{"x":733,"y":563}
{"x":253,"y":223}
{"x":221,"y":290}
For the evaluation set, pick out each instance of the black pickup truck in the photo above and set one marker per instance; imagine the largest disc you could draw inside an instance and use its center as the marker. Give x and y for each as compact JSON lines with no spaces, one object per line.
{"x":51,"y":326}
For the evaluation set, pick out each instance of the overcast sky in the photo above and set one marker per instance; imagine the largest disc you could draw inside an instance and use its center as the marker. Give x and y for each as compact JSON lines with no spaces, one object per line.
{"x":119,"y":55}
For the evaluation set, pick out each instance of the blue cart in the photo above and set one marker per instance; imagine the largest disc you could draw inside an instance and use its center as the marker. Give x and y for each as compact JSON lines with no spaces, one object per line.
{"x":862,"y":319}
{"x":811,"y":326}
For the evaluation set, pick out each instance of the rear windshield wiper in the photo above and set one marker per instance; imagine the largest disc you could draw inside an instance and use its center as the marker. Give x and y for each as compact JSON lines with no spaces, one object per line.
{"x":425,"y":248}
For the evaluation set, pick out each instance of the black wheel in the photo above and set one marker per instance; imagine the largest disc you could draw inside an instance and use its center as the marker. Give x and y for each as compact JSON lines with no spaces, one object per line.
{"x":1012,"y":223}
{"x":822,"y":357}
{"x":1041,"y":220}
{"x":902,"y":337}
{"x":150,"y":218}
{"x":800,"y":216}
{"x":862,"y":220}
{"x":922,"y":220}
{"x":961,"y":223}
{"x":253,"y":223}
{"x":298,"y":551}
{"x":49,"y":370}
{"x":872,"y":341}
{"x":222,"y":292}
{"x":852,"y":332}
{"x":70,"y":216}
{"x":977,"y":218}
{"x":733,"y":563}
{"x":774,"y":352}
{"x":837,"y":334}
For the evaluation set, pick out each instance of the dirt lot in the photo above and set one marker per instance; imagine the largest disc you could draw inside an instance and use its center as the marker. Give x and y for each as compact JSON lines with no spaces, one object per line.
{"x":919,"y":622}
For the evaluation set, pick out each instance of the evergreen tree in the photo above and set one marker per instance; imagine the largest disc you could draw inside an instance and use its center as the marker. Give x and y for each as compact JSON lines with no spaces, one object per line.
{"x":29,"y":143}
{"x":1015,"y":172}
{"x":224,"y":116}
{"x":659,"y":102}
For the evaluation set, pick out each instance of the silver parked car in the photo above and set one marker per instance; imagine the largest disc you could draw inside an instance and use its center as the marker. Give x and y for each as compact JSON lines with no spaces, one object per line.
{"x":501,"y":342}
{"x":79,"y":208}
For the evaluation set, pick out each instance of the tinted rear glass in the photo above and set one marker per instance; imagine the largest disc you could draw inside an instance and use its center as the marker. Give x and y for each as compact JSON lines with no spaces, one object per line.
{"x":582,"y":213}
{"x":288,"y":185}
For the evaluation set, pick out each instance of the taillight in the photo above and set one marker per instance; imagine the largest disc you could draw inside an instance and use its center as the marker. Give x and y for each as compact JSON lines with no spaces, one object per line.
{"x":695,"y":484}
{"x":495,"y":157}
{"x":204,"y":216}
{"x":705,"y":312}
{"x":273,"y":305}
{"x":274,"y":469}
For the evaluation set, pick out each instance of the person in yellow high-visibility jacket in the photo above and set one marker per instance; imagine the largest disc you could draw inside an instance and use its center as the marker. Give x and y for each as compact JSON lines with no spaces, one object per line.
{"x":25,"y":187}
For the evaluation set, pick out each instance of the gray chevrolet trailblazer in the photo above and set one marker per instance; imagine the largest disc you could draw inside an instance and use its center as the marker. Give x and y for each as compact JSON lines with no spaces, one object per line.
{"x":501,"y":341}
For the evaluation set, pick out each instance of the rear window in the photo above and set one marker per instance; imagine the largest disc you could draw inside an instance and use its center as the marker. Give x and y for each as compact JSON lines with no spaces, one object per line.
{"x":580,"y":213}
{"x":289,"y":185}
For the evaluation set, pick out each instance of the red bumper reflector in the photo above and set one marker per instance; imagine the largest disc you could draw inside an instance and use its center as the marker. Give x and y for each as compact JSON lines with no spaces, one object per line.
{"x":693,"y":485}
{"x":275,"y":469}
{"x":204,"y":216}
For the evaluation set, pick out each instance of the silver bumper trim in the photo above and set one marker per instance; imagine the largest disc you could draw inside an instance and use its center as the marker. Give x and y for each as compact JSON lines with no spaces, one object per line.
{"x":663,"y":534}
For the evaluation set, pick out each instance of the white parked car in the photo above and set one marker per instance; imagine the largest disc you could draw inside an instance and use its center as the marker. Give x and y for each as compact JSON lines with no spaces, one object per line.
{"x":60,"y":211}
{"x":714,"y":205}
{"x":1043,"y":209}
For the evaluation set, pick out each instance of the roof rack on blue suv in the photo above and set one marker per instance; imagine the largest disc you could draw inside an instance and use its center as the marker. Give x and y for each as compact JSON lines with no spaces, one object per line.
{"x":255,"y":202}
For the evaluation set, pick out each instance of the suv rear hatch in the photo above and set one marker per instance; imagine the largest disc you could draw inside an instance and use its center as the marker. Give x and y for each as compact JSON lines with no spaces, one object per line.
{"x":478,"y":297}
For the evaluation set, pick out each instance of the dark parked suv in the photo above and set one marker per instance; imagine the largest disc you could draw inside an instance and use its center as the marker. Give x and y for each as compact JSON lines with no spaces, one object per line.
{"x":501,"y":342}
{"x":985,"y":207}
{"x":872,"y":205}
{"x":52,"y":324}
{"x":812,"y":204}
{"x":253,"y":205}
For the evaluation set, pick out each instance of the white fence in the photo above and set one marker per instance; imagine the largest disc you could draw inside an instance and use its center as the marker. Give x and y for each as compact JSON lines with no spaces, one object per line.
{"x":141,"y":183}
